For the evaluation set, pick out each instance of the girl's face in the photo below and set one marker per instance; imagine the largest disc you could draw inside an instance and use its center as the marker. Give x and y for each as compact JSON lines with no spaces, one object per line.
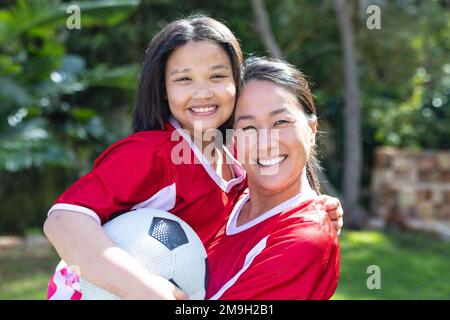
{"x":273,"y":136}
{"x":199,"y":84}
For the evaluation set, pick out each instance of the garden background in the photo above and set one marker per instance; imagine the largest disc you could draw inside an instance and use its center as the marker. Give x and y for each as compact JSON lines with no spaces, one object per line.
{"x":380,"y":73}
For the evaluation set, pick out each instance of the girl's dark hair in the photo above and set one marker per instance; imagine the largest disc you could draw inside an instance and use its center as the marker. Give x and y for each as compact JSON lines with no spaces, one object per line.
{"x":290,"y":78}
{"x":151,"y":108}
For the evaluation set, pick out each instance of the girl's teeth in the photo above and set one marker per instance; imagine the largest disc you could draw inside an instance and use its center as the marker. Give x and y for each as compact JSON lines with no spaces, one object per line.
{"x":271,"y":161}
{"x":205,"y":109}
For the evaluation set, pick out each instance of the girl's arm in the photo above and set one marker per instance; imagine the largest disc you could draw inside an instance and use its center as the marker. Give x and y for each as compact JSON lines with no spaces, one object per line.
{"x":101,"y":261}
{"x":334,"y":209}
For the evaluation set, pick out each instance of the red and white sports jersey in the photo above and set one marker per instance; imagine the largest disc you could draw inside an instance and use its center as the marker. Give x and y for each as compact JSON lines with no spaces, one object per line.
{"x":289,"y":252}
{"x":140,"y":171}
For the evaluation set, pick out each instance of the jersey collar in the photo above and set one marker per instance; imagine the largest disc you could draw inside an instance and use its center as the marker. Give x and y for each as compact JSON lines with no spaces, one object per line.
{"x":294,"y":201}
{"x":239,"y":171}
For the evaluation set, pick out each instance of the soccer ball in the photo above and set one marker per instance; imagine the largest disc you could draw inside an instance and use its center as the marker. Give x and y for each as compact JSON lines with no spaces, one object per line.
{"x":164,"y":244}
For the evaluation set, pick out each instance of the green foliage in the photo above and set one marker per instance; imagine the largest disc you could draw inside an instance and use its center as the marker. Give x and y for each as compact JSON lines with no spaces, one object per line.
{"x":422,"y":120}
{"x":123,"y":77}
{"x":39,"y":123}
{"x":411,"y":107}
{"x":42,"y":16}
{"x":28,"y":194}
{"x":48,"y":137}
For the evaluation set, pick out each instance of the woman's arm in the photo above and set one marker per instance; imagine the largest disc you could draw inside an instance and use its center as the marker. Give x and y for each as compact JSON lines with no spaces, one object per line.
{"x":101,"y":261}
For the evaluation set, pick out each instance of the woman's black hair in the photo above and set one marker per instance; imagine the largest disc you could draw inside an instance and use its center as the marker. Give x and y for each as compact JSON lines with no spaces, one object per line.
{"x":290,"y":78}
{"x":151,"y":107}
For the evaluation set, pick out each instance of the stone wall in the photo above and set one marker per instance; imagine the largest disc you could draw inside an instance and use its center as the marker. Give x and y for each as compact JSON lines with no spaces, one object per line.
{"x":408,"y":185}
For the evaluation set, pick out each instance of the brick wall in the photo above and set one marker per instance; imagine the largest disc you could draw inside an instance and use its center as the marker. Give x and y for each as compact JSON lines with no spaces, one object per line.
{"x":411,"y":184}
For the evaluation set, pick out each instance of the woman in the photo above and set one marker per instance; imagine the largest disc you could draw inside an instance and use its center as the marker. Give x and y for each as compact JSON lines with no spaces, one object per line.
{"x":278,"y":243}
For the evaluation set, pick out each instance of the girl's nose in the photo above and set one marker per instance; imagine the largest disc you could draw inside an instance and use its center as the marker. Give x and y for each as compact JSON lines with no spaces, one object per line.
{"x":202,"y":92}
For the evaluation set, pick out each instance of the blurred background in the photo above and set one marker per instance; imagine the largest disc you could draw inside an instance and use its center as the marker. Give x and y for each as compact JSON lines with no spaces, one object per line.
{"x":380,"y":74}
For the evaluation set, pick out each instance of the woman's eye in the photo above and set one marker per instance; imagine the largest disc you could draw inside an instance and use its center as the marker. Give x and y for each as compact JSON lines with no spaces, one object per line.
{"x":279,"y":122}
{"x":248,"y":128}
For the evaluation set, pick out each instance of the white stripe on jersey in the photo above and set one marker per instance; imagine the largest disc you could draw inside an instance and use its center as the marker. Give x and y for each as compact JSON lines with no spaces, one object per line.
{"x":72,"y":207}
{"x":164,"y":199}
{"x":232,"y":227}
{"x":253,"y":253}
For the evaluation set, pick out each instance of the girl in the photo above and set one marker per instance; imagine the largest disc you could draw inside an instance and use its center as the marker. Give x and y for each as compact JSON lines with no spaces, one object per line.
{"x":190,"y":78}
{"x":283,"y":246}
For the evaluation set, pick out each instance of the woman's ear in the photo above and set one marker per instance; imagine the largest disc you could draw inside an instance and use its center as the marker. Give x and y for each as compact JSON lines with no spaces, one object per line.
{"x":312,"y":122}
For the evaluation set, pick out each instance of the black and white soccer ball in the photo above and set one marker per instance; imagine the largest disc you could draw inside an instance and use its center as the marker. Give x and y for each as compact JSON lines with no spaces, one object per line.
{"x":164,"y":244}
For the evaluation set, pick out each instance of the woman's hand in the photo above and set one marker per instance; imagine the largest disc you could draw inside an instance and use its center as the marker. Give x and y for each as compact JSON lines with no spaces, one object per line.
{"x":334,"y":209}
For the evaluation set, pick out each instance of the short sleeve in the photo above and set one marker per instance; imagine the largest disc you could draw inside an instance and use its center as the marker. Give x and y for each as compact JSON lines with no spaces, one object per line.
{"x":299,"y":261}
{"x":127,"y":173}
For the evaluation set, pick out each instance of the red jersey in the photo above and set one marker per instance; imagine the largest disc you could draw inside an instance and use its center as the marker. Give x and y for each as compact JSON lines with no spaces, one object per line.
{"x":288,"y":252}
{"x":144,"y":171}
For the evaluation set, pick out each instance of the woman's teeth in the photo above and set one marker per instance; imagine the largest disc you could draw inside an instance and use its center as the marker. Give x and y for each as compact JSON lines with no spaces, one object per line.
{"x":271,"y":161}
{"x":203,"y":109}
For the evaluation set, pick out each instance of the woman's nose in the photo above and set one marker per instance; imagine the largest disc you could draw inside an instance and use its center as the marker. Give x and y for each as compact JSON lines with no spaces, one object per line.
{"x":268,"y":142}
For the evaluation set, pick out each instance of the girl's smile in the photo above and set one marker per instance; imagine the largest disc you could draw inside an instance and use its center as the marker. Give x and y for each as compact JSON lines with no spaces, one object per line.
{"x":204,"y":110}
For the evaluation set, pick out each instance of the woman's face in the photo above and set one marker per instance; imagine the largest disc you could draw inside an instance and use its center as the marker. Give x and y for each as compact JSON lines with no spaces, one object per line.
{"x":200,"y":86}
{"x":273,"y":136}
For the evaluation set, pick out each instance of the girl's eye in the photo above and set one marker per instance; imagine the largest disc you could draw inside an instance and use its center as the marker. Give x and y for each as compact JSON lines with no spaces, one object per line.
{"x":279,"y":122}
{"x":219,"y":76}
{"x":183,"y":79}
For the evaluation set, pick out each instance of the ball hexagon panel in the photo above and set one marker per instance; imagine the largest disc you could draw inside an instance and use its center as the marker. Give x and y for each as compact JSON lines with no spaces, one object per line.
{"x":168,"y":232}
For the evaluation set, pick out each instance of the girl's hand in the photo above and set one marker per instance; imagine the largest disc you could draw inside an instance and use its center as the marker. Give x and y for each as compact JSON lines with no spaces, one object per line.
{"x":334,"y":209}
{"x":156,"y":288}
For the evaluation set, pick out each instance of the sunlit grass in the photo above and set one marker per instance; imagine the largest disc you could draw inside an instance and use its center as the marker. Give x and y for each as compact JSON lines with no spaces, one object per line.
{"x":412,"y":266}
{"x":29,"y":287}
{"x":24,"y":273}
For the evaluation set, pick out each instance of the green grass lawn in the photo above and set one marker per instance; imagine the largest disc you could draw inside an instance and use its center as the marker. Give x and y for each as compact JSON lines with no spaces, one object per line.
{"x":24,"y":274}
{"x":412,"y":267}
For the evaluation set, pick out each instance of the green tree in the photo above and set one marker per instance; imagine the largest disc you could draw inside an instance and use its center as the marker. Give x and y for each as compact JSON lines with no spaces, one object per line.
{"x":39,"y":124}
{"x":47,"y":137}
